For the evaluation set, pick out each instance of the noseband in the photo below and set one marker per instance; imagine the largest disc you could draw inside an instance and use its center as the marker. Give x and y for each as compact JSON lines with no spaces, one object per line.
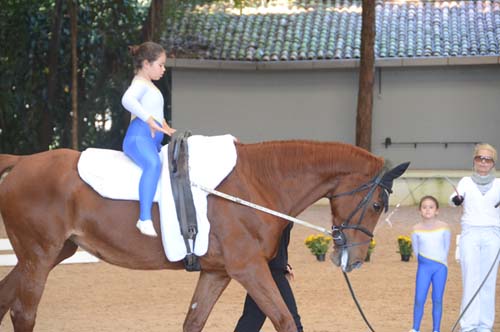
{"x":339,"y":238}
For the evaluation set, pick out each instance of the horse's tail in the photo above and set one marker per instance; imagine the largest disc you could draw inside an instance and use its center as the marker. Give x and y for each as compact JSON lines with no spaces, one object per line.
{"x":7,"y":162}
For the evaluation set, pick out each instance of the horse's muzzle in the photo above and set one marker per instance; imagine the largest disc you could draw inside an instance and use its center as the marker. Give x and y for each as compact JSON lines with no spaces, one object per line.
{"x":340,"y":258}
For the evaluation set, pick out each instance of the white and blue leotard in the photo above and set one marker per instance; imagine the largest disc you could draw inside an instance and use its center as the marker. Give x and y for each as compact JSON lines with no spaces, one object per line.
{"x":431,"y":247}
{"x":144,"y":100}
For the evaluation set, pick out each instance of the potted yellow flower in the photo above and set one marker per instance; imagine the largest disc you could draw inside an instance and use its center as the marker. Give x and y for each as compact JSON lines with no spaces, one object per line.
{"x":371,"y":247}
{"x":318,"y":244}
{"x":405,"y":248}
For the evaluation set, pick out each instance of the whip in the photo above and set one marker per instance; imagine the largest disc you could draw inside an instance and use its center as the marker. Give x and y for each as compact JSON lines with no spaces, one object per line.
{"x":410,"y":193}
{"x":477,"y":292}
{"x":452,"y":184}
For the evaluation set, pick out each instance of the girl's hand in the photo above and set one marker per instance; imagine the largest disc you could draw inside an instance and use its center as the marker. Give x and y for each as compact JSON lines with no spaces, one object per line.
{"x":154,"y":127}
{"x":168,"y":130}
{"x":289,"y":273}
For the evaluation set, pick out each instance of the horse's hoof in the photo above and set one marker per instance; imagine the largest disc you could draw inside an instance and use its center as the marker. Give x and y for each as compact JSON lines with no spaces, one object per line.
{"x":146,"y":228}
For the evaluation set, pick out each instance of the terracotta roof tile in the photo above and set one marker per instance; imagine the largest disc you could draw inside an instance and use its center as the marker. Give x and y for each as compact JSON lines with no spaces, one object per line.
{"x":331,"y":29}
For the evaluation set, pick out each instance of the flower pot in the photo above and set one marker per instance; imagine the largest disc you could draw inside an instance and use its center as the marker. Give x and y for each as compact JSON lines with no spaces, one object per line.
{"x":405,"y":258}
{"x":320,"y":257}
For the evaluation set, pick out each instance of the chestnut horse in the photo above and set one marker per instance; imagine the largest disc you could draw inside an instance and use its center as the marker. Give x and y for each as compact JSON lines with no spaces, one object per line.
{"x":49,"y":212}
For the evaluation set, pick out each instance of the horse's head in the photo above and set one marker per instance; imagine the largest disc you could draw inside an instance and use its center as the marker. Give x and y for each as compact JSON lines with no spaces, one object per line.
{"x":356,"y":203}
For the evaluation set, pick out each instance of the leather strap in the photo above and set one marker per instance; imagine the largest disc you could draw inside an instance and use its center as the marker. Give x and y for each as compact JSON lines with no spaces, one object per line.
{"x":181,"y":189}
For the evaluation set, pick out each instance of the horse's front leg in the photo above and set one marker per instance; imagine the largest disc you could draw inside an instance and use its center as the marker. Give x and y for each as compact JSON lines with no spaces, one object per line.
{"x":260,"y":285}
{"x":208,"y":290}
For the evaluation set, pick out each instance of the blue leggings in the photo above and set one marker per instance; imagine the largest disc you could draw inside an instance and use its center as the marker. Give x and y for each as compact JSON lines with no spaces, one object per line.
{"x":144,"y":151}
{"x":428,"y":272}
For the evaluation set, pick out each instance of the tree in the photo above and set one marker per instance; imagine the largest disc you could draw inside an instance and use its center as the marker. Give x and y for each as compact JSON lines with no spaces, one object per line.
{"x":36,"y":65}
{"x":74,"y":72}
{"x":151,"y":29}
{"x":366,"y":77}
{"x":45,"y":133}
{"x":24,"y":27}
{"x":40,"y":84}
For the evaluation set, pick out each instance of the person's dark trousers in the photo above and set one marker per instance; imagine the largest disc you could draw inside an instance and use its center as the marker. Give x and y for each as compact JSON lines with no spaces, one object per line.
{"x":253,"y":318}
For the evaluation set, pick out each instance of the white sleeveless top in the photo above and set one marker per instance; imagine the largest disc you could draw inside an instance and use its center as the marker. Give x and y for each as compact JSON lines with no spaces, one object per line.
{"x":432,"y":244}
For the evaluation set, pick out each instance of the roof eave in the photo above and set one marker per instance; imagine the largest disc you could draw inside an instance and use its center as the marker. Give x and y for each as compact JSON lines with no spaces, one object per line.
{"x":181,"y":63}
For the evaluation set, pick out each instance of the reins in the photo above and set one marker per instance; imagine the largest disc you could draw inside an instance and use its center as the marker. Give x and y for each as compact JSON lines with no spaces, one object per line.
{"x":261,"y":208}
{"x":356,"y":301}
{"x":345,"y":225}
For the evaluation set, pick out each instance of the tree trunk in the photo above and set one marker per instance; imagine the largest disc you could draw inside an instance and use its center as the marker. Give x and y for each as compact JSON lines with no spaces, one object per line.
{"x":366,"y":77}
{"x":150,"y":29}
{"x":73,"y":4}
{"x":53,"y":62}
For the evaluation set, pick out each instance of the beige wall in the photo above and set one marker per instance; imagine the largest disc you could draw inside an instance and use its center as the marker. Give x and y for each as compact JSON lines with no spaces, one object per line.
{"x":410,"y":104}
{"x":257,"y":106}
{"x":414,"y":184}
{"x":437,"y":104}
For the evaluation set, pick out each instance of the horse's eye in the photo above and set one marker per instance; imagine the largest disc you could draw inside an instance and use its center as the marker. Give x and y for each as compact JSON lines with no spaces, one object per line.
{"x":377,"y":207}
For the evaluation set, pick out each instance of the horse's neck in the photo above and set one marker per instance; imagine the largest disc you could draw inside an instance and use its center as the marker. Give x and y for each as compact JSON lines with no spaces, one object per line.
{"x":298,"y":173}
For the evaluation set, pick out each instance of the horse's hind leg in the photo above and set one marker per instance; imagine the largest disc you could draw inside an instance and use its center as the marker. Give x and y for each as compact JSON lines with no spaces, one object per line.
{"x":30,"y":286}
{"x":68,"y":250}
{"x":8,"y":287}
{"x":208,"y":290}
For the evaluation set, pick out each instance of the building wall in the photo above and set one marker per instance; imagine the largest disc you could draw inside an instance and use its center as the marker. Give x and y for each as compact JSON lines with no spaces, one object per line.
{"x":265,"y":105}
{"x":441,"y":104}
{"x":411,"y":104}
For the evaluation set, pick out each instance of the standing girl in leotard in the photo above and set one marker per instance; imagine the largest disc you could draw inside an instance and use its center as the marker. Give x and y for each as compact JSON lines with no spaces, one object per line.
{"x":431,"y":243}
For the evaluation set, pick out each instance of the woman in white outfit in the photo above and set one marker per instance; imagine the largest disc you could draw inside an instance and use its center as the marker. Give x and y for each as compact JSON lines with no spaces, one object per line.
{"x":480,"y":239}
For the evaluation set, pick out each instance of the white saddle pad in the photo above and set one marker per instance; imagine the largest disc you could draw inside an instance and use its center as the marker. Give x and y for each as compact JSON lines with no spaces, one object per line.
{"x":113,"y":175}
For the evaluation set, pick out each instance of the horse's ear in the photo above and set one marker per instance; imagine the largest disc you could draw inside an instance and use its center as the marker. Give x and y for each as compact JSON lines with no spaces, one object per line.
{"x":397,"y":171}
{"x":392,"y":174}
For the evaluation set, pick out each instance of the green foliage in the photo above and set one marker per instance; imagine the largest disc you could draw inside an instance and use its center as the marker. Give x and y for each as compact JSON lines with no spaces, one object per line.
{"x":111,"y":26}
{"x":105,"y":29}
{"x":29,"y":122}
{"x":22,"y":30}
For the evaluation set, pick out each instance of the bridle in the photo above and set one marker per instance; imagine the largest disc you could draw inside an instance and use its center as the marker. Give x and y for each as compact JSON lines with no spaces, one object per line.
{"x":339,"y":237}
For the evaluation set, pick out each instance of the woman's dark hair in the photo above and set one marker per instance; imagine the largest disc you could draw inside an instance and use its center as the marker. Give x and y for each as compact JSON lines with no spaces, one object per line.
{"x":432,"y":198}
{"x":149,"y":51}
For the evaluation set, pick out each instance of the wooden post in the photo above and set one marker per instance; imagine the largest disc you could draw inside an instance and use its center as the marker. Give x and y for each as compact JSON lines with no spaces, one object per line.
{"x":155,"y":22}
{"x":46,"y":131}
{"x":73,"y":4}
{"x":366,"y":77}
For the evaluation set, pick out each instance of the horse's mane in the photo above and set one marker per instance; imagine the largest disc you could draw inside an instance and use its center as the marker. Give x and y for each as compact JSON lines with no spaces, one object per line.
{"x":301,"y":153}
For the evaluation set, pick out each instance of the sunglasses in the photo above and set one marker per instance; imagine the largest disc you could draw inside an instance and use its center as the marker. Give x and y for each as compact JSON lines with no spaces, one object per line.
{"x":485,"y":159}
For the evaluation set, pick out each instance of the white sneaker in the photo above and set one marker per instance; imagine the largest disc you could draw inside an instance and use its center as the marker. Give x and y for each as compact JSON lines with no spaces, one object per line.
{"x":146,"y":227}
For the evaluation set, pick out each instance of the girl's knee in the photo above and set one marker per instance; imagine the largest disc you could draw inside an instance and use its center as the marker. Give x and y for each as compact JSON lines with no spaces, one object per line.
{"x":153,"y":165}
{"x":437,"y":302}
{"x":419,"y":302}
